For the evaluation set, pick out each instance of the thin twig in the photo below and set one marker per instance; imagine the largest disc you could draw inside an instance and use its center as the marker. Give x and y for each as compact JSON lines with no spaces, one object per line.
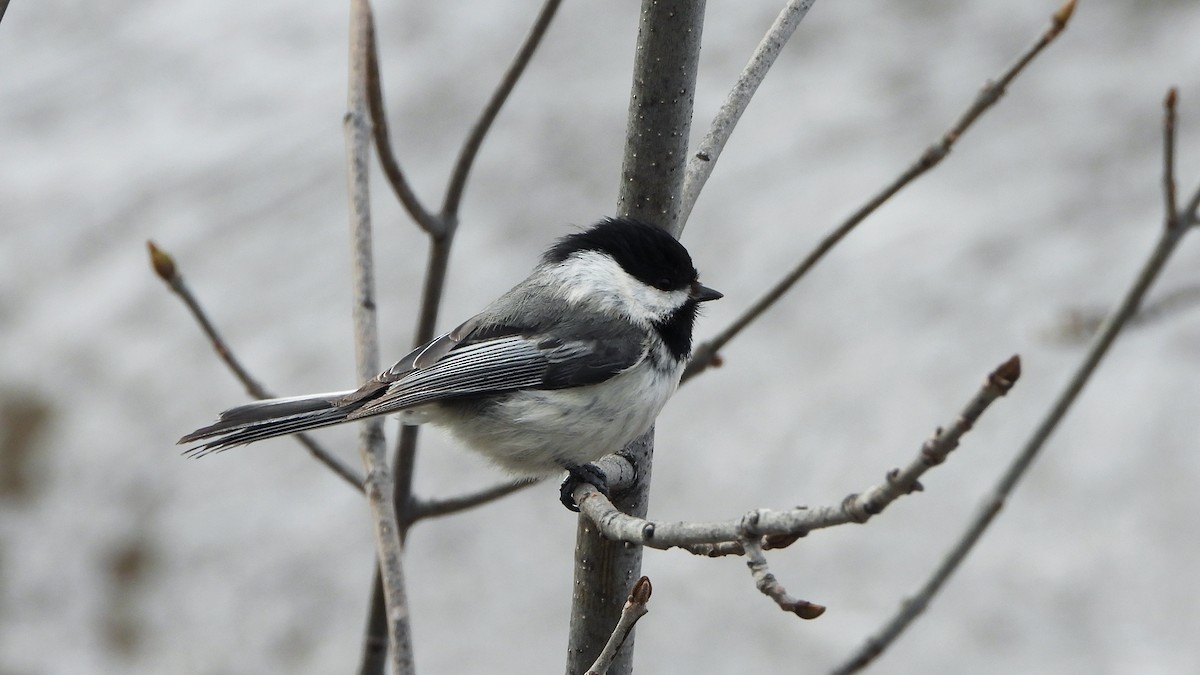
{"x":784,"y":526}
{"x":383,"y":144}
{"x":3,"y":9}
{"x":466,"y":156}
{"x":421,"y":509}
{"x":166,"y":269}
{"x":634,"y":609}
{"x":366,"y":343}
{"x":766,"y":582}
{"x":703,"y":356}
{"x":1171,"y":210}
{"x":702,"y":163}
{"x":990,"y":508}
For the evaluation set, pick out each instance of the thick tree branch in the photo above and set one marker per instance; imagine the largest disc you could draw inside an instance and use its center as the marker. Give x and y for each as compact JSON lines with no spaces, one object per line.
{"x":366,"y":343}
{"x":784,"y":526}
{"x":166,"y":269}
{"x":1178,"y":225}
{"x":703,"y":356}
{"x":704,"y":160}
{"x":666,"y":59}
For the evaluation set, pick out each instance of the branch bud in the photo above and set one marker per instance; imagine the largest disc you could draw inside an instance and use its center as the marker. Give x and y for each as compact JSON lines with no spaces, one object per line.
{"x":161,"y":261}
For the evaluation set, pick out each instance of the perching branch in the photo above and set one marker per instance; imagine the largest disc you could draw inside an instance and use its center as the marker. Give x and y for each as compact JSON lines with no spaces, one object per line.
{"x":703,"y":356}
{"x":1178,"y":225}
{"x":366,"y":345}
{"x":783,"y":525}
{"x":704,"y":160}
{"x":634,"y":609}
{"x":166,"y":269}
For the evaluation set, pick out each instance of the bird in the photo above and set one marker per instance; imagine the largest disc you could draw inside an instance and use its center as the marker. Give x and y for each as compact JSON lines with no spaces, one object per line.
{"x":571,"y":364}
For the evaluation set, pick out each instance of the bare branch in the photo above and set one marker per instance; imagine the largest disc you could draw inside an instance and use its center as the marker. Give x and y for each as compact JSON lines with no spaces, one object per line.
{"x":3,"y":8}
{"x":785,"y":526}
{"x":366,"y":343}
{"x":634,"y":609}
{"x":1171,"y":210}
{"x":702,"y":163}
{"x":766,"y":582}
{"x":990,"y":508}
{"x":466,"y":156}
{"x":702,"y":358}
{"x":383,"y":143}
{"x":420,"y":509}
{"x":166,"y":269}
{"x":767,"y":542}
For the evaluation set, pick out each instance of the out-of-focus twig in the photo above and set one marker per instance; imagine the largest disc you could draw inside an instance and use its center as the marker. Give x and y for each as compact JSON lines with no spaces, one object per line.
{"x":166,"y":269}
{"x":703,"y":356}
{"x":1178,"y":225}
{"x":1171,"y":209}
{"x":635,"y":608}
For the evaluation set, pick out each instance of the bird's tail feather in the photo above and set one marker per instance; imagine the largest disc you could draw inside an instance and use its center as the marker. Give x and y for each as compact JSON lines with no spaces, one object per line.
{"x":267,"y":419}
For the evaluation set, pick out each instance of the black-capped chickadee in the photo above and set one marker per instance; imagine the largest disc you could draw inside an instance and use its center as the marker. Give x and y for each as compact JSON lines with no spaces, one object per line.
{"x":571,"y":364}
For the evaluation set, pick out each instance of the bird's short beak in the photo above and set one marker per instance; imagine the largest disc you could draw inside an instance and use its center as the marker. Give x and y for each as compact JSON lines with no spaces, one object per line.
{"x":701,"y":293}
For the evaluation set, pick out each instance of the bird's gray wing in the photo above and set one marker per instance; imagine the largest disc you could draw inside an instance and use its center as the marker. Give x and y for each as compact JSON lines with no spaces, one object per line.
{"x":500,"y":359}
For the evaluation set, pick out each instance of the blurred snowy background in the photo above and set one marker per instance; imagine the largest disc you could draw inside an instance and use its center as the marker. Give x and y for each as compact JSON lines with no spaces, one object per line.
{"x":214,"y":127}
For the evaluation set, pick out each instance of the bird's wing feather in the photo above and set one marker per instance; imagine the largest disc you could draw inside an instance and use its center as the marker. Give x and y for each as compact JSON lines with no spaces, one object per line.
{"x":497,"y":360}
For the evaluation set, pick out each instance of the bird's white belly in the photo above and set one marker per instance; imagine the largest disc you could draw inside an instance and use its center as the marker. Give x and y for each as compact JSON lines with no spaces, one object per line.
{"x":538,"y":432}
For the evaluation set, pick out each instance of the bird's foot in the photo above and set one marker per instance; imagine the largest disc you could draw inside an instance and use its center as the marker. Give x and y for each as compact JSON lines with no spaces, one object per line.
{"x":589,"y":474}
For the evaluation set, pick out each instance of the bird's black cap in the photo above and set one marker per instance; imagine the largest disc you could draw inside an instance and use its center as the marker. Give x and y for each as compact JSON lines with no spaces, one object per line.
{"x":646,"y":252}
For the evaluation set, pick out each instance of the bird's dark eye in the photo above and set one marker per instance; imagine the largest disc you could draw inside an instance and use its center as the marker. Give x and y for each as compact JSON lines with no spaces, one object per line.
{"x":664,"y":284}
